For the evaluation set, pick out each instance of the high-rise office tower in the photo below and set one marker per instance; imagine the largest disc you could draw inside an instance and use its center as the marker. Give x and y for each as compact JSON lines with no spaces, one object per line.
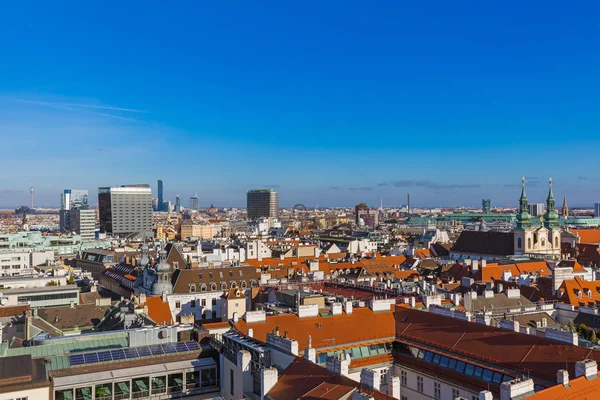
{"x":596,"y":210}
{"x":486,"y":206}
{"x":537,"y":209}
{"x":75,"y":217}
{"x":155,"y":204}
{"x":177,"y":204}
{"x":125,"y":210}
{"x":194,"y":202}
{"x":72,"y":199}
{"x":161,"y":199}
{"x":262,"y":203}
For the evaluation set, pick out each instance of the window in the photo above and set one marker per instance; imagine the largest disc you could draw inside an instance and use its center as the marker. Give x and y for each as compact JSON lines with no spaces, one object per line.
{"x":214,"y":301}
{"x":469,"y":369}
{"x":175,"y":383}
{"x":519,"y":243}
{"x":528,"y":243}
{"x":159,"y":384}
{"x":192,"y":380}
{"x":420,"y":384}
{"x":403,"y":378}
{"x":208,"y":377}
{"x":193,"y":303}
{"x":178,"y":304}
{"x":556,"y":242}
{"x":104,"y":391}
{"x":122,"y":390}
{"x":66,"y":394}
{"x":455,"y":393}
{"x":140,"y":387}
{"x":383,"y":377}
{"x":203,"y":302}
{"x":437,"y":391}
{"x":403,"y":398}
{"x":231,"y":381}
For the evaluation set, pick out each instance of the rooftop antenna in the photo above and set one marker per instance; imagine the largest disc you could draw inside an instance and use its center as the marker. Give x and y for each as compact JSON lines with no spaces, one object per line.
{"x":31,"y":194}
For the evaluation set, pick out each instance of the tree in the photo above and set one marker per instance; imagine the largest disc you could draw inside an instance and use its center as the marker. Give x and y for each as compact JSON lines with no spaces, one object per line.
{"x":571,"y":326}
{"x":71,"y":280}
{"x":593,"y":337}
{"x":52,"y":283}
{"x":581,"y":329}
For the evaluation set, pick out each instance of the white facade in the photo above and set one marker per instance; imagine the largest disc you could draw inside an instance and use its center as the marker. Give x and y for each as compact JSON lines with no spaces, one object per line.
{"x":202,"y":305}
{"x":13,"y":264}
{"x":42,"y":393}
{"x":416,"y":385}
{"x":257,"y":250}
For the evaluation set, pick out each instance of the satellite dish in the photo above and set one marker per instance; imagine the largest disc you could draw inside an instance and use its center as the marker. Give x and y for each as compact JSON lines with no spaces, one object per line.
{"x":3,"y":301}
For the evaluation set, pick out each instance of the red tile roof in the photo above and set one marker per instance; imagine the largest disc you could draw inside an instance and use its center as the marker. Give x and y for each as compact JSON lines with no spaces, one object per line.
{"x":159,"y":311}
{"x":362,"y":325}
{"x":518,"y":352}
{"x":588,"y":236}
{"x":579,"y":389}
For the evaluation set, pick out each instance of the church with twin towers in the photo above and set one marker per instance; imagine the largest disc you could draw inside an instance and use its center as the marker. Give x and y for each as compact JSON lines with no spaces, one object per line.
{"x":544,"y":240}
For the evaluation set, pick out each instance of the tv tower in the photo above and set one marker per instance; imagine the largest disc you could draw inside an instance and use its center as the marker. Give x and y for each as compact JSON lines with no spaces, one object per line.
{"x":31,"y":194}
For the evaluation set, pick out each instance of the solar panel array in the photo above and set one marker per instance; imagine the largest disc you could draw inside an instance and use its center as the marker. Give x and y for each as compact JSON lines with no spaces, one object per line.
{"x":133,"y":352}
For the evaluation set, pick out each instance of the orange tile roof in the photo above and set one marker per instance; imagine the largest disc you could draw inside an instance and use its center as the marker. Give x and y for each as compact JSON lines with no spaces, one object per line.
{"x":159,"y":311}
{"x":579,"y":389}
{"x":571,"y":287}
{"x":362,"y":325}
{"x":588,"y":236}
{"x":423,"y":253}
{"x":216,"y":325}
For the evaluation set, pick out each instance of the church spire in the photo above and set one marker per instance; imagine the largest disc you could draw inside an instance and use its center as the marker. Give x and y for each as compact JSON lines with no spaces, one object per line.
{"x":551,"y":216}
{"x":565,"y":207}
{"x":523,"y":217}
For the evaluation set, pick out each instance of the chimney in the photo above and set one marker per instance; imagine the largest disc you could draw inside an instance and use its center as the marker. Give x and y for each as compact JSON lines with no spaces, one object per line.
{"x":485,"y":395}
{"x":142,"y":298}
{"x":489,"y":294}
{"x":27,"y":315}
{"x":483,"y":263}
{"x":335,"y":308}
{"x":309,"y":353}
{"x":250,"y":332}
{"x":562,"y":377}
{"x":394,"y":387}
{"x":587,"y":368}
{"x":517,"y":388}
{"x":268,"y":379}
{"x":413,"y":302}
{"x":370,"y":378}
{"x":72,"y":303}
{"x":337,"y":366}
{"x":474,"y":266}
{"x":93,"y":289}
{"x":499,"y":288}
{"x":348,"y":307}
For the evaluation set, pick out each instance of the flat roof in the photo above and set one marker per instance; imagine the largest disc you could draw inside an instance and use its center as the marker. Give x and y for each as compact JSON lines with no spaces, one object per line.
{"x":41,"y":289}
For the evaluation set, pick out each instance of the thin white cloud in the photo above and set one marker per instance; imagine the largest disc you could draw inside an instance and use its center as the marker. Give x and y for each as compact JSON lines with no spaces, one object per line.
{"x":48,"y":103}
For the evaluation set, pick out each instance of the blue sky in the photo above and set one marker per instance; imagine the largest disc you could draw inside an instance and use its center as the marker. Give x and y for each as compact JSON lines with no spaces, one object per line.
{"x":330,"y":102}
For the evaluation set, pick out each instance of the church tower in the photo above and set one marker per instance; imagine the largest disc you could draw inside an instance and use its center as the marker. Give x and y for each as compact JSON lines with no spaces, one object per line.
{"x":523,"y":234}
{"x":565,"y":208}
{"x":551,"y":223}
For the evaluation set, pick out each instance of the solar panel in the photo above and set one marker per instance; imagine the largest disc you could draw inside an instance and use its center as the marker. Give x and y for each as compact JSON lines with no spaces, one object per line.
{"x":131,"y":353}
{"x":193,"y":346}
{"x":180,"y":346}
{"x":118,"y":354}
{"x":144,"y":351}
{"x":169,"y":348}
{"x":104,"y":356}
{"x":76,"y":360}
{"x":156,"y":350}
{"x":90,"y":358}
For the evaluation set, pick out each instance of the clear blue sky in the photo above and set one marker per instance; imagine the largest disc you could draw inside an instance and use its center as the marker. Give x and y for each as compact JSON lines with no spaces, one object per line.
{"x":329,"y":102}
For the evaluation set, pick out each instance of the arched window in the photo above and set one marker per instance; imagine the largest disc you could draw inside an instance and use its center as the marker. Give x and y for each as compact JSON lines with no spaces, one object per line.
{"x":192,"y":288}
{"x":224,"y":285}
{"x":528,"y":243}
{"x":243,"y":284}
{"x":213,"y":286}
{"x":233,"y":285}
{"x":556,"y":241}
{"x":543,"y":242}
{"x":254,"y":283}
{"x":203,"y":287}
{"x":519,"y":243}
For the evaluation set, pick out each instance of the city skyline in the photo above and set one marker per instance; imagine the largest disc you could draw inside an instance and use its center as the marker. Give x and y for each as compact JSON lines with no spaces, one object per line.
{"x":444,"y":103}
